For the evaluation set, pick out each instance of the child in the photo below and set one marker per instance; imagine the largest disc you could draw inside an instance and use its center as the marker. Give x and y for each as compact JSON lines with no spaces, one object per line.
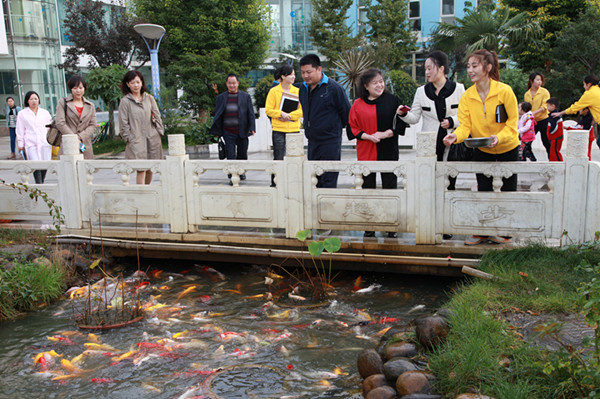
{"x":586,"y":122}
{"x":526,"y":131}
{"x":555,"y":130}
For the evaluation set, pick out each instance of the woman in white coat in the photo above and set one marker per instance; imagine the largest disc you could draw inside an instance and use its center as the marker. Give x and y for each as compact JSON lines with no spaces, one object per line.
{"x":436,"y":103}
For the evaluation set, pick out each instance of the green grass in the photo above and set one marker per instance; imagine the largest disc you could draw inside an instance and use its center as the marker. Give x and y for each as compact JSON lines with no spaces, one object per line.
{"x":20,"y":236}
{"x":27,"y":285}
{"x":480,"y":339}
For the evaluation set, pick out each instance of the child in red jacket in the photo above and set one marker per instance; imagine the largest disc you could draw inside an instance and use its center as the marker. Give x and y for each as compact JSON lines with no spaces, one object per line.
{"x":555,"y":130}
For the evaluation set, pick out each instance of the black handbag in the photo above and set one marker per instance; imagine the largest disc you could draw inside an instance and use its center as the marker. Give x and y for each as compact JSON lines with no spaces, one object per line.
{"x":460,"y":153}
{"x":222,"y":150}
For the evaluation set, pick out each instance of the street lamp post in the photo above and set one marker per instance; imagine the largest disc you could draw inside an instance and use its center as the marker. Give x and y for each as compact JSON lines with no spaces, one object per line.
{"x":152,"y":35}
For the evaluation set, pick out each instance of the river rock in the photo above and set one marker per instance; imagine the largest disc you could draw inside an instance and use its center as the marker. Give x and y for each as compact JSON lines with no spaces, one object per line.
{"x":403,"y":349}
{"x":415,"y":382}
{"x":42,"y":260}
{"x":368,"y":363}
{"x":385,"y":392}
{"x":473,"y":396}
{"x":372,"y":382}
{"x":431,"y":330}
{"x":397,"y":366}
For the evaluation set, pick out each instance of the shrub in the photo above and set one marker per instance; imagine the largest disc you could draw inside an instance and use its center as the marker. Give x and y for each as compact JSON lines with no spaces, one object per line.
{"x":402,"y":85}
{"x":516,"y":79}
{"x":261,"y":90}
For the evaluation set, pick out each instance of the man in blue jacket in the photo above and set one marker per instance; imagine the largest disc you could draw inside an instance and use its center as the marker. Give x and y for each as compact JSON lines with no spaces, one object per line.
{"x":325,"y":108}
{"x":234,"y":120}
{"x":11,"y":112}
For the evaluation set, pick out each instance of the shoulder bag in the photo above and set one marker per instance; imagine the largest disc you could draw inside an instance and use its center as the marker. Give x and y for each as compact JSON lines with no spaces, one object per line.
{"x":54,"y":136}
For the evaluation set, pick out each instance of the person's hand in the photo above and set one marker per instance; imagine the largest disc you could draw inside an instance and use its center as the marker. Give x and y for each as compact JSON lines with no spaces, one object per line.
{"x":370,"y":137}
{"x":383,"y":135}
{"x":401,"y":110}
{"x":494,"y":141}
{"x":445,"y":124}
{"x":449,"y":139}
{"x":557,"y":114}
{"x":252,"y":132}
{"x":285,"y":117}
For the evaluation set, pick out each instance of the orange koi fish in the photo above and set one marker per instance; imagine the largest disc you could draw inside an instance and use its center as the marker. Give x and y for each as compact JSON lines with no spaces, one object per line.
{"x":186,"y":291}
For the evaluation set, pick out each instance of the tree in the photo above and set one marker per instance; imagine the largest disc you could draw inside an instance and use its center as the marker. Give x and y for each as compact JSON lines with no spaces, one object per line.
{"x":553,"y":16}
{"x":206,"y":40}
{"x":328,"y":28}
{"x":390,"y":33}
{"x":104,"y":83}
{"x":576,"y":53}
{"x":482,"y":28}
{"x":402,"y":85}
{"x":351,"y":64}
{"x":104,"y":32}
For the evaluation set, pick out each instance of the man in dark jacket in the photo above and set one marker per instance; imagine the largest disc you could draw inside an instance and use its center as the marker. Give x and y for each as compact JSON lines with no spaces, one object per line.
{"x":234,"y":120}
{"x":325,"y":107}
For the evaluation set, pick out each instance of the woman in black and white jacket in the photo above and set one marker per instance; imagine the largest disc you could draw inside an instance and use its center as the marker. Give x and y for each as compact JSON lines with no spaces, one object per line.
{"x":437,"y":102}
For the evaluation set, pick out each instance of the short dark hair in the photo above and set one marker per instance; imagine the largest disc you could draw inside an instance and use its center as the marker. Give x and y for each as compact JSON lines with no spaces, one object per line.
{"x":286,"y":70}
{"x":129,"y":76}
{"x":75,"y":80}
{"x":554,"y":101}
{"x":440,"y":59}
{"x":9,"y":98}
{"x":525,"y":106}
{"x":593,"y":79}
{"x":28,"y":96}
{"x":310,"y":59}
{"x":365,"y":78}
{"x":231,"y":75}
{"x":277,"y":74}
{"x":532,"y":77}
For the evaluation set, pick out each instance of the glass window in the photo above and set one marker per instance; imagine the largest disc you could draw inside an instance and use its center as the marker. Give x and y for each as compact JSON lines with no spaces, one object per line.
{"x":414,"y":9}
{"x":447,"y":7}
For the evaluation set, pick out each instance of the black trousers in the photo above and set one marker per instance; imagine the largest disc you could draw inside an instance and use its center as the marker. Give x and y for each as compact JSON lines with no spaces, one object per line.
{"x":388,"y":180}
{"x":484,"y":183}
{"x":542,"y":128}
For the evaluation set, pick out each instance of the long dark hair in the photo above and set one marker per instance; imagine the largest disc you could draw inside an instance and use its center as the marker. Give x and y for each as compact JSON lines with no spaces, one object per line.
{"x":364,"y":79}
{"x":486,"y":58}
{"x":129,"y":76}
{"x":532,"y":77}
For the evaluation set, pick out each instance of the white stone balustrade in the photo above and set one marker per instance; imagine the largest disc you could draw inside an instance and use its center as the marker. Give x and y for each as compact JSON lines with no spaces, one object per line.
{"x":193,"y":194}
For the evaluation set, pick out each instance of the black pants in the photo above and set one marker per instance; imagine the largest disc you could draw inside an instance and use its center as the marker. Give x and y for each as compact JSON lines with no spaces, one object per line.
{"x":542,"y":128}
{"x":39,"y":176}
{"x":388,"y":180}
{"x":484,"y":183}
{"x":236,"y":146}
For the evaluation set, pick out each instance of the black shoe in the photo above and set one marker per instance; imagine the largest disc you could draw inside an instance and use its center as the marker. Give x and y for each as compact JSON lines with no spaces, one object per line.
{"x":229,"y":175}
{"x":369,"y":234}
{"x":272,"y":185}
{"x":242,"y":177}
{"x":447,"y":236}
{"x":392,"y":234}
{"x":230,"y":183}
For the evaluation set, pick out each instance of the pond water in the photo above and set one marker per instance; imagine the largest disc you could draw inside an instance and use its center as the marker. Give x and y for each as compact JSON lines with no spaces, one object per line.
{"x":210,"y":333}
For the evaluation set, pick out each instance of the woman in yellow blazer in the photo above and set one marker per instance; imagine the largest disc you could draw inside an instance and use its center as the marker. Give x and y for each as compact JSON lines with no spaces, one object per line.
{"x":537,"y":96}
{"x":478,"y":111}
{"x":281,"y":121}
{"x":589,"y":99}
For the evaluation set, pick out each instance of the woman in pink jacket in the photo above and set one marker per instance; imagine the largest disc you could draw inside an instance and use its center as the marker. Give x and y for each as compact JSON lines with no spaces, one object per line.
{"x":31,"y":133}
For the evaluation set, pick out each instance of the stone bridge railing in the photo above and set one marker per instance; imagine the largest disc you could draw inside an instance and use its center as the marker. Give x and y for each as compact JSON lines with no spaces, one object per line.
{"x":193,"y":194}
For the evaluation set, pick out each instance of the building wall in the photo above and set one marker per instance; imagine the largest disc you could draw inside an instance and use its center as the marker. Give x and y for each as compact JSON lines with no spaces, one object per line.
{"x":33,"y":37}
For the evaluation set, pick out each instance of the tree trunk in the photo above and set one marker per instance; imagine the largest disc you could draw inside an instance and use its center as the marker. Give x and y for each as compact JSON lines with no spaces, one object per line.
{"x":111,"y":121}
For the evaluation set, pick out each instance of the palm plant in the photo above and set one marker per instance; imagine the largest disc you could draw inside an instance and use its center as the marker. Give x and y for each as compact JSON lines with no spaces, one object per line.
{"x":350,"y":65}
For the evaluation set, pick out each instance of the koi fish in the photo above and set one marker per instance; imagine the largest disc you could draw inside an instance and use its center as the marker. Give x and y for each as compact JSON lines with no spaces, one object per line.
{"x":357,"y":283}
{"x":281,"y":315}
{"x":234,"y":291}
{"x":150,"y":345}
{"x":155,"y":273}
{"x":220,"y":275}
{"x":125,"y":355}
{"x":70,"y":367}
{"x":155,"y":307}
{"x":385,"y":320}
{"x":181,"y":334}
{"x":274,"y":275}
{"x":99,"y":347}
{"x":268,"y":280}
{"x":186,"y":291}
{"x":282,"y":336}
{"x":204,"y":298}
{"x":296,"y":297}
{"x":93,"y":338}
{"x":45,"y":359}
{"x":227,"y":335}
{"x":64,"y":340}
{"x":103,"y":380}
{"x":141,"y":285}
{"x":369,"y":289}
{"x":416,"y":308}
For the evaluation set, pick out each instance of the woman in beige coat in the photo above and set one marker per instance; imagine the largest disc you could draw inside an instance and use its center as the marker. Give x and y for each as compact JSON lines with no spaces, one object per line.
{"x":140,"y":124}
{"x":80,"y":118}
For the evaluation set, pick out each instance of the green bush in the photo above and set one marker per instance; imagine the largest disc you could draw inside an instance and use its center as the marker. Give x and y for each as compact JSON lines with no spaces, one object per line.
{"x":516,"y":79}
{"x":199,"y":133}
{"x":402,"y":85}
{"x":261,"y":90}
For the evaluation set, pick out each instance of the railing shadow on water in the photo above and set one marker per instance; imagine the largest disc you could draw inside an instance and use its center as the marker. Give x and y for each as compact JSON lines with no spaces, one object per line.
{"x":188,"y":195}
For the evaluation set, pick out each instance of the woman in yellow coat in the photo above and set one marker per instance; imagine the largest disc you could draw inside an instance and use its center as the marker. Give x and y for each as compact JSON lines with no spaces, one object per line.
{"x":489,"y":108}
{"x":590,"y":99}
{"x":283,"y":122}
{"x":537,"y":96}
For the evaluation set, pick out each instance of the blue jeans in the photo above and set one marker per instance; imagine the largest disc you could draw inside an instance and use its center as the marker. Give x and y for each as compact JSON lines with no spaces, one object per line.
{"x":325,"y":151}
{"x":13,"y":138}
{"x":236,"y":146}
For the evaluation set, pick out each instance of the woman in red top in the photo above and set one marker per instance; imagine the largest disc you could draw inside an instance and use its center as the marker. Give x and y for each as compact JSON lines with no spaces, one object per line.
{"x":376,"y":126}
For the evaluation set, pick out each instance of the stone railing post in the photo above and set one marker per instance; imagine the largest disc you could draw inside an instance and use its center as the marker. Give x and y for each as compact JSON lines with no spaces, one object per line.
{"x":293,"y":184}
{"x":576,"y":177}
{"x":424,"y":191}
{"x":175,"y":185}
{"x":68,"y":181}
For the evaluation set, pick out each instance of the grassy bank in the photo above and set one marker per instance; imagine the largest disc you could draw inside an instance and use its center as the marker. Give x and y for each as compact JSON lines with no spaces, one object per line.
{"x":487,"y":354}
{"x":24,"y":284}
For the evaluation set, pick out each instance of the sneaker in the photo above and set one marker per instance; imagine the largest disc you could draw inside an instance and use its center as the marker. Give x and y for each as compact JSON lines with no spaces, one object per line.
{"x":474,"y":240}
{"x":242,"y":177}
{"x":369,"y":234}
{"x":392,"y":234}
{"x":500,"y":240}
